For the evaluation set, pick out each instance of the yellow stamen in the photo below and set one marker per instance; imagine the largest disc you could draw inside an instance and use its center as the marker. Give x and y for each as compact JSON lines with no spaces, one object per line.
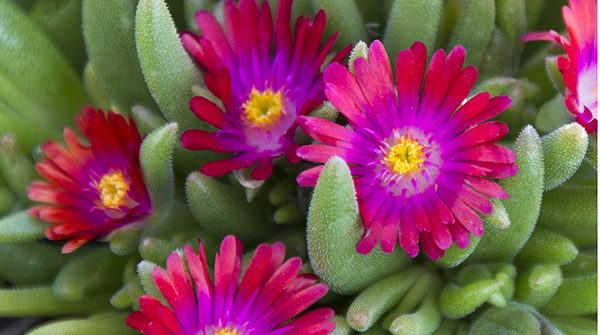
{"x":263,"y":108}
{"x":405,"y":156}
{"x":113,"y":189}
{"x":226,"y":331}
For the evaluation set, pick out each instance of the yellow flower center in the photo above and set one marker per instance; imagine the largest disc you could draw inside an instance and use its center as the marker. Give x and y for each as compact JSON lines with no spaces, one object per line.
{"x":113,"y":188}
{"x":263,"y":108}
{"x":405,"y":156}
{"x":226,"y":331}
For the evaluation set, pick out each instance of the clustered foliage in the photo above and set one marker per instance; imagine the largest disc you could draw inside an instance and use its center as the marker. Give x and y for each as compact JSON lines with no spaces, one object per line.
{"x":532,"y":272}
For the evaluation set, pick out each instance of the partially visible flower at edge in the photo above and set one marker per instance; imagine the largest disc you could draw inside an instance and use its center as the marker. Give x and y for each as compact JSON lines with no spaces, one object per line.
{"x":262,"y":88}
{"x":269,"y":294}
{"x":91,"y":191}
{"x":580,"y":69}
{"x":420,"y":162}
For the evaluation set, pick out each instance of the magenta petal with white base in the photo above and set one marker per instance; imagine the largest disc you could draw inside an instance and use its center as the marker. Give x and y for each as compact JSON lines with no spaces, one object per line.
{"x":420,"y":160}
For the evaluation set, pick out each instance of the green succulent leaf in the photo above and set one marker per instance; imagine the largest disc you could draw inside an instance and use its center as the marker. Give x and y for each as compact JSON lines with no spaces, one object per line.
{"x":564,"y":150}
{"x":97,"y":271}
{"x":145,"y":120}
{"x":411,"y":21}
{"x":474,"y":29}
{"x":511,"y":18}
{"x":552,"y":114}
{"x":360,"y":50}
{"x":168,"y":70}
{"x":514,"y":319}
{"x":571,"y":210}
{"x":333,"y":230}
{"x":61,"y":20}
{"x":424,"y":321}
{"x":341,"y":326}
{"x":576,"y":295}
{"x":144,"y":270}
{"x":525,"y":191}
{"x":30,"y":263}
{"x":575,"y":325}
{"x":16,"y":168}
{"x":41,"y":301}
{"x":109,"y":32}
{"x":379,"y":298}
{"x":97,"y":324}
{"x":156,"y":157}
{"x":546,"y":247}
{"x":223,"y":210}
{"x":20,"y":227}
{"x":343,"y":17}
{"x":29,"y":62}
{"x":454,"y":255}
{"x":538,"y":285}
{"x":554,"y":73}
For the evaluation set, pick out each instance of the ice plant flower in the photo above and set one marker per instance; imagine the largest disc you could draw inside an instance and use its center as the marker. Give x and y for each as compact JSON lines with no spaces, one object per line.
{"x":420,"y":161}
{"x":269,"y":294}
{"x":580,"y":67}
{"x":91,"y":190}
{"x":265,"y":79}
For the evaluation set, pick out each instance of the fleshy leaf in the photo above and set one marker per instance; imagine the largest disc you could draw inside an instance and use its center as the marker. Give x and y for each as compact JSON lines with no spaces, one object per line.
{"x":360,"y":50}
{"x":571,"y":210}
{"x":168,"y":70}
{"x":474,"y":29}
{"x":341,"y":326}
{"x":16,"y":168}
{"x":538,"y":285}
{"x":523,"y":207}
{"x":512,"y":20}
{"x":343,"y":17}
{"x":30,"y":263}
{"x":411,"y":21}
{"x":379,"y":298}
{"x":564,"y":150}
{"x":575,"y":325}
{"x":144,"y":270}
{"x":514,"y":319}
{"x":552,"y":114}
{"x":333,"y":230}
{"x":223,"y":210}
{"x":41,"y":301}
{"x":109,"y":32}
{"x":156,"y":162}
{"x":576,"y":295}
{"x":30,"y":63}
{"x":21,"y":227}
{"x":546,"y":247}
{"x":97,"y":324}
{"x":96,"y":271}
{"x":555,"y":76}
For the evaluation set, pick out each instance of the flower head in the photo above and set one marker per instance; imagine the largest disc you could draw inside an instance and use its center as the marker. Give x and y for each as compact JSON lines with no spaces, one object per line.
{"x":91,"y":191}
{"x":268,"y":295}
{"x":265,"y":79}
{"x":420,"y":160}
{"x":580,"y":67}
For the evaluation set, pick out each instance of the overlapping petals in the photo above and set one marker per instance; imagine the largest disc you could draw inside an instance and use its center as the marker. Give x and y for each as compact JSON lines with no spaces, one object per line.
{"x":580,"y":67}
{"x":91,"y":190}
{"x":421,"y":157}
{"x":268,"y":295}
{"x":264,"y":76}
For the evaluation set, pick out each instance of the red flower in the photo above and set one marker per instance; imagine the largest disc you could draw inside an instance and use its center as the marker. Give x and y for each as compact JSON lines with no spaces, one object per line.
{"x":91,"y":191}
{"x":262,"y":303}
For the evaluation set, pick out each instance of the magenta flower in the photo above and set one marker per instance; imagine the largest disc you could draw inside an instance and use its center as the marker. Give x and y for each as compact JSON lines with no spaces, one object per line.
{"x":262,"y":303}
{"x":91,"y":190}
{"x":420,"y":160}
{"x":265,"y":79}
{"x":580,"y":69}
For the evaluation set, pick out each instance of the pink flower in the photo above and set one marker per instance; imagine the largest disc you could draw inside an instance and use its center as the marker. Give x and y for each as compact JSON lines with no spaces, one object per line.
{"x":265,"y":79}
{"x":262,"y":303}
{"x":580,"y":67}
{"x":421,"y":161}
